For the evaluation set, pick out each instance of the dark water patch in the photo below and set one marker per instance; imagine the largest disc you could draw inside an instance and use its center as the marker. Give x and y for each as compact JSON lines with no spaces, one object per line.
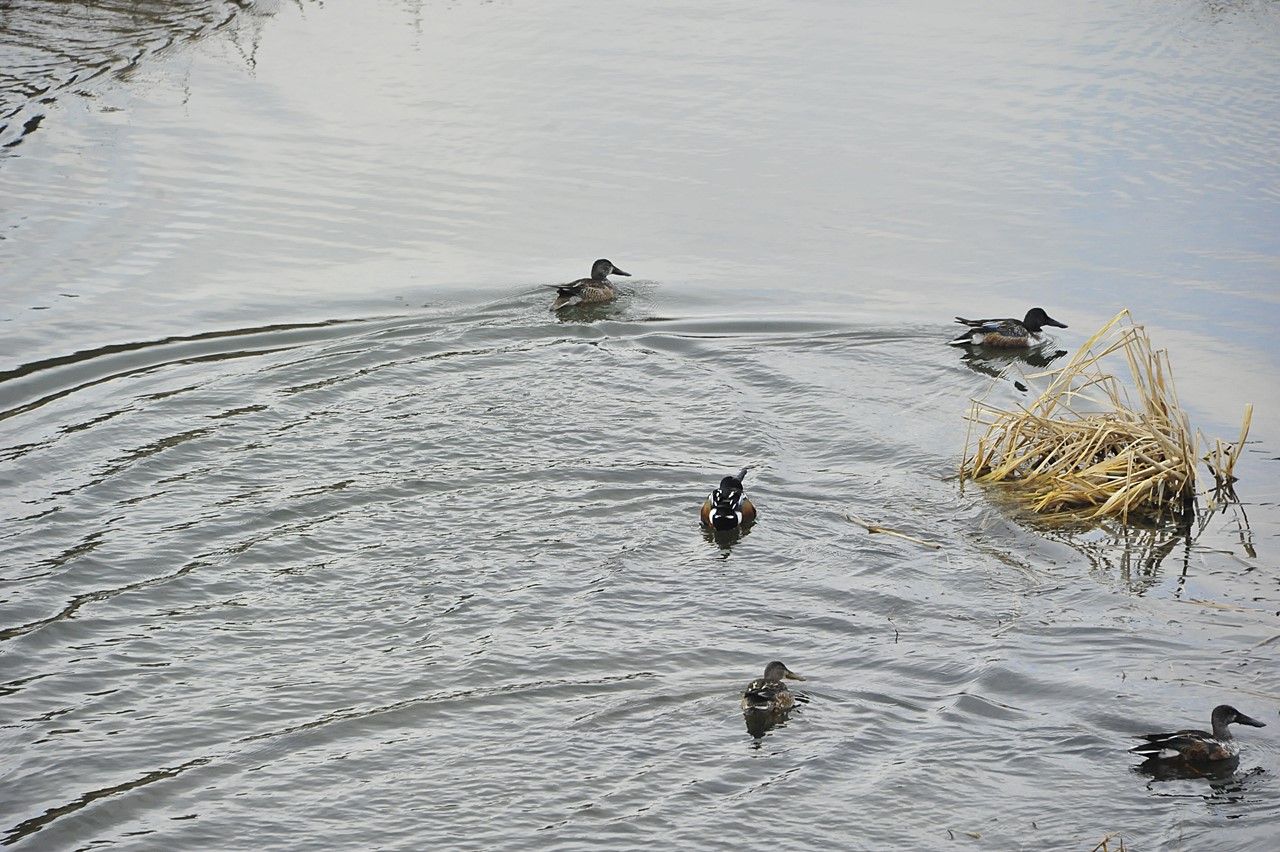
{"x":36,"y":383}
{"x":56,"y":48}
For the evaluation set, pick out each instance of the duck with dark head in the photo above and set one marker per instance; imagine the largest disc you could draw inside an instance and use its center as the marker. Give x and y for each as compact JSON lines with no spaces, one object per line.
{"x":587,"y":291}
{"x":728,"y":507}
{"x":1007,"y":333}
{"x":1199,"y":746}
{"x":768,"y":694}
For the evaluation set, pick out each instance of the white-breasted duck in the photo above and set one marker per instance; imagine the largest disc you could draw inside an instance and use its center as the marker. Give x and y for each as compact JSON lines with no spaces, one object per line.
{"x":1192,"y":745}
{"x":1007,"y":333}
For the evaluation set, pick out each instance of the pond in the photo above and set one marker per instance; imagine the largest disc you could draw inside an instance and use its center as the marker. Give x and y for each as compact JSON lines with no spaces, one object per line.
{"x":320,"y":530}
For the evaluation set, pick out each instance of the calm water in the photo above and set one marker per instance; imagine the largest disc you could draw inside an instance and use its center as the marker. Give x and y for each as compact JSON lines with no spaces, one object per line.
{"x":320,"y":531}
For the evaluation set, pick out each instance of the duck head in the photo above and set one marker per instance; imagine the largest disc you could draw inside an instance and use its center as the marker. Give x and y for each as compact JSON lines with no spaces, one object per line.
{"x":603,"y":268}
{"x":778,"y":670}
{"x":1037,"y":319}
{"x":1225,"y":714}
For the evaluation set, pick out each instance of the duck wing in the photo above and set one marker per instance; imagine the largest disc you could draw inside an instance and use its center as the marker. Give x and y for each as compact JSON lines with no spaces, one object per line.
{"x":988,"y":324}
{"x":573,"y":288}
{"x":1174,"y":741}
{"x":762,"y":694}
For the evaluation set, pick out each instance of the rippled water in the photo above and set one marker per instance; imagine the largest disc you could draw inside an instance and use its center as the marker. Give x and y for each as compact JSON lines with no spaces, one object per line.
{"x":319,"y":530}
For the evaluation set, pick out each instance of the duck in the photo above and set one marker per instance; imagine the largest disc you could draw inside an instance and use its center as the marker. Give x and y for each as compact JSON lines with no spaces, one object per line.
{"x":1006,"y":333}
{"x":769,"y":694}
{"x":727,"y":507}
{"x":1198,"y":746}
{"x":586,"y":291}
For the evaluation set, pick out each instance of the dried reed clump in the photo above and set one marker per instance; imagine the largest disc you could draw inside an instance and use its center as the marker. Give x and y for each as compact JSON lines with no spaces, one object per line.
{"x":1084,"y":447}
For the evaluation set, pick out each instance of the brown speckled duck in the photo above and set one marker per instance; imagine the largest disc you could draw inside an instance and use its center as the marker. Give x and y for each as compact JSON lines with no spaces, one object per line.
{"x":769,"y":694}
{"x":586,"y":291}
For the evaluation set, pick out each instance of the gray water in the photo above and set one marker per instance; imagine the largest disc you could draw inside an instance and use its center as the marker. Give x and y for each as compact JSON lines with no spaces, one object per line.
{"x":320,"y":531}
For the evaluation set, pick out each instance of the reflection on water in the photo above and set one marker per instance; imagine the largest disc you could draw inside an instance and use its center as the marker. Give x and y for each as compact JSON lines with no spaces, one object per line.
{"x":28,"y":827}
{"x":1218,"y":783}
{"x":760,"y":723}
{"x":725,"y":539}
{"x":997,"y":363}
{"x":1221,"y":774}
{"x":1131,"y":554}
{"x":52,"y":48}
{"x":37,"y":383}
{"x":1138,"y":554}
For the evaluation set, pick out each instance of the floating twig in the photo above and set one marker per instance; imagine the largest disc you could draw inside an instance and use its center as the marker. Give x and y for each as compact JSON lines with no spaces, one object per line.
{"x":1258,"y":645}
{"x":876,"y":528}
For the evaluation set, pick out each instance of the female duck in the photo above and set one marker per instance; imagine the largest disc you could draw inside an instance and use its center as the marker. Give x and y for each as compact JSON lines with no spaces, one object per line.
{"x":585,"y":291}
{"x":1199,"y":745}
{"x":769,"y":694}
{"x":727,"y":507}
{"x":1006,"y":333}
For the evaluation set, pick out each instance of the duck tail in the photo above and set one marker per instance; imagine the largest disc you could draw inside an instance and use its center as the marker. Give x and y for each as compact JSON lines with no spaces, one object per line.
{"x":565,"y":295}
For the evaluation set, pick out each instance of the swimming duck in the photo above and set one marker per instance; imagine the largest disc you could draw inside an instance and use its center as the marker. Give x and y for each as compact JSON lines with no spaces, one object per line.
{"x":1006,"y":333}
{"x":728,"y":507}
{"x":769,"y":694}
{"x":1199,"y":745}
{"x":585,"y":291}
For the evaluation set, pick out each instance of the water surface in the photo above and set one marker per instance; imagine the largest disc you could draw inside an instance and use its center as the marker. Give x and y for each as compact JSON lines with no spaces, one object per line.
{"x":320,"y":530}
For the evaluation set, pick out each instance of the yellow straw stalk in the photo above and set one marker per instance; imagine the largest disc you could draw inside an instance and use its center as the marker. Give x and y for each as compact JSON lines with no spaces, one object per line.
{"x":1086,"y":448}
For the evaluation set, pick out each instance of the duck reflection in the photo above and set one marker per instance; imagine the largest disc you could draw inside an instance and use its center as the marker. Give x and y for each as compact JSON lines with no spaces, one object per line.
{"x":725,"y":539}
{"x":759,"y":724}
{"x":590,"y":313}
{"x":1216,"y":772}
{"x":996,"y":362}
{"x":1226,"y":783}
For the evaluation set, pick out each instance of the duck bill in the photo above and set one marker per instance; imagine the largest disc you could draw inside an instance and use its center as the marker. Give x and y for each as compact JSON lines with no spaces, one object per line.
{"x":617,"y":271}
{"x":1053,"y":322}
{"x":1242,"y":719}
{"x":790,"y":675}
